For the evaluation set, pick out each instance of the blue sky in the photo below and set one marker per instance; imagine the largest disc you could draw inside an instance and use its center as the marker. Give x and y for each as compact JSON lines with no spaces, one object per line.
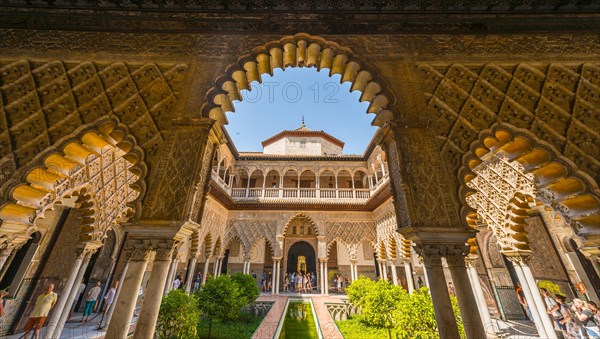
{"x":280,"y":102}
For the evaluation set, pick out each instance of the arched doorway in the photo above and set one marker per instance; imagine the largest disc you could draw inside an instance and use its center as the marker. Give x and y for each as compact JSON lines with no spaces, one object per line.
{"x":301,"y":257}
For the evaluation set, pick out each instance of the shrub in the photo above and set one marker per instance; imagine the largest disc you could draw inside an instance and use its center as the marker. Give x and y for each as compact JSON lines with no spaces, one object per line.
{"x":415,"y":318}
{"x":220,"y":299}
{"x":247,"y":286}
{"x":380,"y":303}
{"x":178,"y":316}
{"x":358,"y":289}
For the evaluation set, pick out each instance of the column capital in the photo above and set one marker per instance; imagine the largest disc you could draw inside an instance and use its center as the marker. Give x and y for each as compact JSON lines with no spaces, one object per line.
{"x":353,"y":261}
{"x":517,"y":258}
{"x":471,"y":260}
{"x":455,"y":255}
{"x":431,"y":253}
{"x":164,"y":249}
{"x":277,"y":258}
{"x":137,"y":250}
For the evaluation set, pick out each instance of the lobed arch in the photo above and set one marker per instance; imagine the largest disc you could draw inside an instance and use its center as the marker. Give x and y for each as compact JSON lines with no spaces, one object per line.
{"x":229,"y":240}
{"x":100,"y":171}
{"x":217,"y":248}
{"x":301,"y":216}
{"x":559,"y":184}
{"x":300,"y":50}
{"x":267,"y":242}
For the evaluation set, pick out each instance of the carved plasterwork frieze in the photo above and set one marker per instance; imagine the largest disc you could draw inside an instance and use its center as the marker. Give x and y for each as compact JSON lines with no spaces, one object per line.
{"x":43,"y":102}
{"x":559,"y":102}
{"x":171,"y":192}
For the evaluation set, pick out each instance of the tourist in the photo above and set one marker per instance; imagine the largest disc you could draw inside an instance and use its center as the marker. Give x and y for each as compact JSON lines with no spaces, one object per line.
{"x":109,"y":297}
{"x":451,"y":290}
{"x":305,"y":283}
{"x":522,"y":300}
{"x":338,"y":281}
{"x":254,"y":275}
{"x":293,"y":281}
{"x":420,"y":282}
{"x":299,"y":282}
{"x":177,"y":282}
{"x":197,"y":281}
{"x":553,"y":308}
{"x":286,"y":282}
{"x":90,"y":301}
{"x":586,"y":313}
{"x":43,"y":305}
{"x":566,"y":322}
{"x":80,"y":290}
{"x":263,"y":284}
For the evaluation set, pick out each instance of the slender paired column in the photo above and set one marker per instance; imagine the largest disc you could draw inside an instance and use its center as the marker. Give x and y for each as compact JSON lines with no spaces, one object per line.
{"x":216,"y":267}
{"x":535,"y":311}
{"x":410,"y":284}
{"x":72,"y":295}
{"x":321,"y":277}
{"x":353,"y":269}
{"x":277,"y":277}
{"x":125,"y":304}
{"x":170,"y":276}
{"x":432,"y":258}
{"x":537,"y":297}
{"x":484,"y":311}
{"x":455,"y":257}
{"x":64,"y":296}
{"x":206,"y":263}
{"x":149,"y":313}
{"x":111,"y":310}
{"x":325,"y":280}
{"x":220,"y":268}
{"x":394,"y":275}
{"x":191,"y":274}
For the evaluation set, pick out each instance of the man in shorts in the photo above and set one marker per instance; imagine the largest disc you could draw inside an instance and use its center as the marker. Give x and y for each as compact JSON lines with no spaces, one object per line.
{"x":43,"y":304}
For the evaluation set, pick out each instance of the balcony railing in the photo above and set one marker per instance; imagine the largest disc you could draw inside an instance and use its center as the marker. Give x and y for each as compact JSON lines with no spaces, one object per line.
{"x":346,"y":195}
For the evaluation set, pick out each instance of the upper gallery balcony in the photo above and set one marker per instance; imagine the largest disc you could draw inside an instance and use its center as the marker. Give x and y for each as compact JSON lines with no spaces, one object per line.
{"x":345,"y":186}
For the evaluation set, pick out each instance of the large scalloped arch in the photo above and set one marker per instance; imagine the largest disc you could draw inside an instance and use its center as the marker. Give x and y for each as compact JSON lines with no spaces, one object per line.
{"x":561,"y":185}
{"x":300,"y":50}
{"x":60,"y":172}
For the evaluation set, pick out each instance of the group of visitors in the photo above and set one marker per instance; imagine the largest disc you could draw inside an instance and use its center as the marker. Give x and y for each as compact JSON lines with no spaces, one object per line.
{"x":46,"y":301}
{"x":577,"y":319}
{"x":267,"y":281}
{"x":300,"y":282}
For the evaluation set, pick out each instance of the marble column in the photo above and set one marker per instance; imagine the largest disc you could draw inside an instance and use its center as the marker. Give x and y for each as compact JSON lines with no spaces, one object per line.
{"x":535,"y":312}
{"x":125,"y":304}
{"x":206,"y":263}
{"x":72,"y":295}
{"x":58,"y":309}
{"x":410,"y":283}
{"x":277,"y":277}
{"x":356,"y":271}
{"x":353,"y":269}
{"x":112,"y":306}
{"x":394,"y":275}
{"x":325,"y":275}
{"x":455,"y":257}
{"x":150,"y":306}
{"x":444,"y":315}
{"x":191,"y":274}
{"x":539,"y":301}
{"x":216,"y":267}
{"x":321,"y":288}
{"x":481,"y":302}
{"x":169,"y":278}
{"x":220,"y":268}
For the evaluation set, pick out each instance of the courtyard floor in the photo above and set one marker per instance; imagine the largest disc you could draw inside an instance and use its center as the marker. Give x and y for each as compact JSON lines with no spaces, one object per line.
{"x":74,"y":329}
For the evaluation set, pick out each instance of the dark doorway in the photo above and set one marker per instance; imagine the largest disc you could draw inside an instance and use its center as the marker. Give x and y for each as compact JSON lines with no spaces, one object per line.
{"x":299,"y":250}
